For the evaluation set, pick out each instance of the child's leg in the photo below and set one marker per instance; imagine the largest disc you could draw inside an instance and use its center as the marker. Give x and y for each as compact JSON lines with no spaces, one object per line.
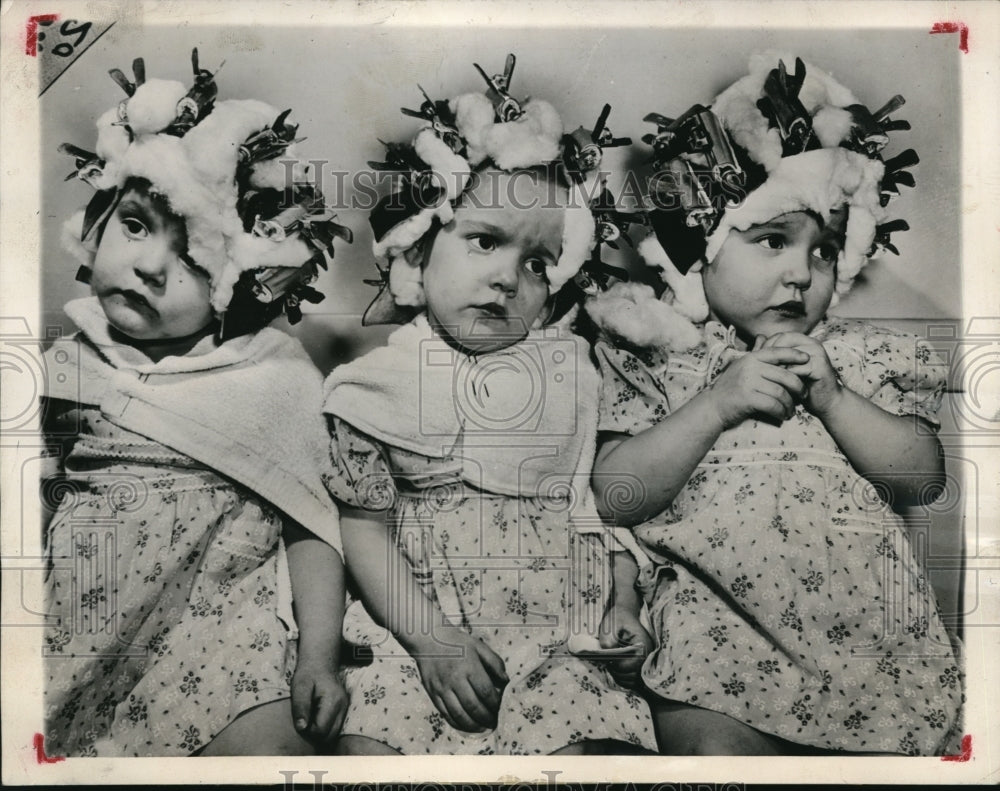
{"x":688,"y":730}
{"x":602,"y":747}
{"x":264,"y":730}
{"x":362,"y":745}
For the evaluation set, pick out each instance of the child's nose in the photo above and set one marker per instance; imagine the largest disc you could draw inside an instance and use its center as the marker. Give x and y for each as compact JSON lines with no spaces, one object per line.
{"x":798,"y":269}
{"x":152,"y":264}
{"x":504,"y":276}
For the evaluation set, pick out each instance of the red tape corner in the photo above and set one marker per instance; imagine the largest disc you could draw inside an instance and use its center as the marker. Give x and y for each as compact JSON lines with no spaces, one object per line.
{"x":31,"y":32}
{"x":966,"y":753}
{"x":40,"y":755}
{"x":954,"y":27}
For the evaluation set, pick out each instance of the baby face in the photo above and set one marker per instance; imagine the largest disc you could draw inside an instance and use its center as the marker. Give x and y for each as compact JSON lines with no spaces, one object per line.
{"x":485,"y":272}
{"x":147,"y":286}
{"x":776,"y":277}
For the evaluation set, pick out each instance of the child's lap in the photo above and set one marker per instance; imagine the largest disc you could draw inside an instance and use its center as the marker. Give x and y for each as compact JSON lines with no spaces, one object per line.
{"x":682,"y":729}
{"x":561,"y":701}
{"x":826,"y":680}
{"x":188,"y":574}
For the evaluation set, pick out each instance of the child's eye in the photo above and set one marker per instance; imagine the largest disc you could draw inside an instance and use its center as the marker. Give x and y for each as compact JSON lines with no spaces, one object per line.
{"x":134,"y":228}
{"x":537,"y":267}
{"x":772,"y":241}
{"x":827,"y":254}
{"x":483,"y":242}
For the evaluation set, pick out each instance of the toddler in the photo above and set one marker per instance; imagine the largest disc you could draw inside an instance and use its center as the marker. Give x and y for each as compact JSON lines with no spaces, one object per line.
{"x":190,"y":443}
{"x":463,"y":452}
{"x":790,"y":612}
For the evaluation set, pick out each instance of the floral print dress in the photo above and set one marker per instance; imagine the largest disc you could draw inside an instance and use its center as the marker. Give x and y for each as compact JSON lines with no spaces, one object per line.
{"x":783,"y":589}
{"x":165,"y":623}
{"x":512,"y":571}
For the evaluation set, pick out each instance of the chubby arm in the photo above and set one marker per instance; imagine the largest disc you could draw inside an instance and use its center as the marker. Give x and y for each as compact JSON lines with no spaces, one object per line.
{"x":884,"y":448}
{"x":660,"y":460}
{"x":462,"y":675}
{"x":378,"y":568}
{"x":319,"y":702}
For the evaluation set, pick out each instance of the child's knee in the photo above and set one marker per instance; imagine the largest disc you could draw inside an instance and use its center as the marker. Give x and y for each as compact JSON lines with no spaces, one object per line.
{"x":362,"y":745}
{"x":687,"y":730}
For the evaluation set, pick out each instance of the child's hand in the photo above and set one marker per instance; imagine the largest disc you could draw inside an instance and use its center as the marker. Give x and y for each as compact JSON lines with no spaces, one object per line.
{"x":465,"y":687}
{"x":319,"y":701}
{"x":822,"y":387}
{"x":619,"y":627}
{"x":761,"y":383}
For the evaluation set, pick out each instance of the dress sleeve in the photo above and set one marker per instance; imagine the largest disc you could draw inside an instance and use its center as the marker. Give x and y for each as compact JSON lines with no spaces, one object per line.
{"x":361,"y":475}
{"x":899,"y":372}
{"x":631,"y":399}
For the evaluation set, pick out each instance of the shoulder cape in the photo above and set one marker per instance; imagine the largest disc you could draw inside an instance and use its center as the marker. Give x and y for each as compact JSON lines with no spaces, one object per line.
{"x":251,"y":409}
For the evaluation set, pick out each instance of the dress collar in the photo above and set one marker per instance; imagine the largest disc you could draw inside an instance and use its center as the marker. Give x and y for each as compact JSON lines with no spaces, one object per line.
{"x":717,"y":333}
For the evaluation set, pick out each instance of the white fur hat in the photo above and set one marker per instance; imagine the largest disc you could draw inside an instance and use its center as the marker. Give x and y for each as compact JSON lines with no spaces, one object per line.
{"x":217,"y":165}
{"x":795,"y":142}
{"x":462,"y":135}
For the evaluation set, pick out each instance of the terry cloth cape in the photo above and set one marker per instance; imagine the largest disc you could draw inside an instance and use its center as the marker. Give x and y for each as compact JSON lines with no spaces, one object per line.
{"x":521,"y":421}
{"x":249,"y":409}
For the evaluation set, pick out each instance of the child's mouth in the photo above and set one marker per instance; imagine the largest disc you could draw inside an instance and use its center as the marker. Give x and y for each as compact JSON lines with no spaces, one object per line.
{"x":493,"y":309}
{"x":134,"y":298}
{"x":791,"y":309}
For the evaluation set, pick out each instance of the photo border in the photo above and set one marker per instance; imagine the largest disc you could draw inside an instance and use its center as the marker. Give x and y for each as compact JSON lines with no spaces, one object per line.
{"x":20,"y":297}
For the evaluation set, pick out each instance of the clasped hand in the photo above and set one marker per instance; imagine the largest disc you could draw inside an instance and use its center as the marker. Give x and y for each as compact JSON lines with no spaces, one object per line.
{"x":779,"y":372}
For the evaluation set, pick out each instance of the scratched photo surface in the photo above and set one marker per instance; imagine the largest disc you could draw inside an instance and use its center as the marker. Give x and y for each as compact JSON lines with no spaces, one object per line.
{"x":346,"y":81}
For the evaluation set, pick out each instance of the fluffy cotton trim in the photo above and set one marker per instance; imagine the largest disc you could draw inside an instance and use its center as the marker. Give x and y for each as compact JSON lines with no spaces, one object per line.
{"x":578,"y":240}
{"x":162,"y":160}
{"x":406,"y":282}
{"x":451,"y":170}
{"x":277,"y":174}
{"x":153,"y":106}
{"x":213,"y":145}
{"x":736,"y":106}
{"x":290,"y":253}
{"x":533,"y":139}
{"x":530,"y":140}
{"x":196,"y":174}
{"x":631,"y":311}
{"x":832,"y":125}
{"x":112,"y":140}
{"x":819,"y":88}
{"x":865,"y":213}
{"x":687,"y":292}
{"x":474,"y":115}
{"x":820,"y":180}
{"x":403,"y":236}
